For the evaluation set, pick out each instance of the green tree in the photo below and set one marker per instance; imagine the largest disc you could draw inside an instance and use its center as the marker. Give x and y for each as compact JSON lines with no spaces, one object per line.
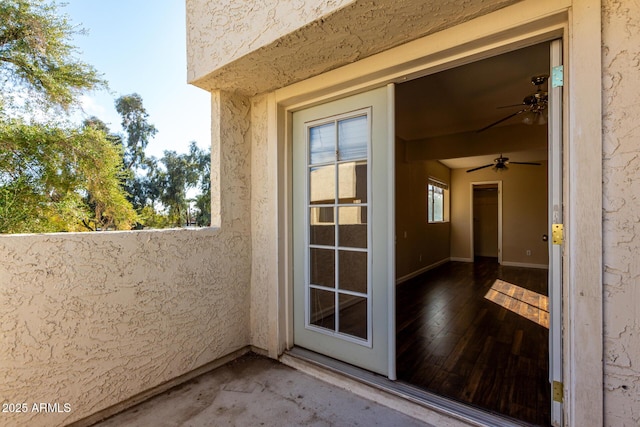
{"x":181,"y":173}
{"x":203,"y":200}
{"x":137,"y":128}
{"x":36,"y":58}
{"x":60,"y":179}
{"x":141,"y":186}
{"x":53,"y":176}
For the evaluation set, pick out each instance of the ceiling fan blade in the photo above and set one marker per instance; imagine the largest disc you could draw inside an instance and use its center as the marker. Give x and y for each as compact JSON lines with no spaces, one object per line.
{"x":481,"y":167}
{"x":512,"y":105}
{"x":502,"y":120}
{"x":525,"y":163}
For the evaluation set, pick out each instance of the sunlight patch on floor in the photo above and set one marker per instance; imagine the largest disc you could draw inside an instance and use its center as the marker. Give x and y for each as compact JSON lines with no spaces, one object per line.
{"x":528,"y":304}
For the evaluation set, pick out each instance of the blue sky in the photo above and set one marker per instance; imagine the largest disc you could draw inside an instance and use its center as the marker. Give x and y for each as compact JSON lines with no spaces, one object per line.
{"x":139,"y":46}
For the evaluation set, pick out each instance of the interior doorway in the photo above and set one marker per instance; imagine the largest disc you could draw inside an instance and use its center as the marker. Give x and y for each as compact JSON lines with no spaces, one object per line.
{"x":486,"y":218}
{"x":476,"y":329}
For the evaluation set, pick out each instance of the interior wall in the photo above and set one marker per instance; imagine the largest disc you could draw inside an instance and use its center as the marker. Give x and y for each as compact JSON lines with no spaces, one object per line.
{"x":418,"y":243}
{"x":524,"y":213}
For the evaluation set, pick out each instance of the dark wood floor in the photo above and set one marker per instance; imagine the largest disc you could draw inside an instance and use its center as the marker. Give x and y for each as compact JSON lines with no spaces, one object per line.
{"x":453,"y":341}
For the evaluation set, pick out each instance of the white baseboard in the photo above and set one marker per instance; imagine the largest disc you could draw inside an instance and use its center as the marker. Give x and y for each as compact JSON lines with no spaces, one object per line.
{"x":524,"y":264}
{"x":404,"y":278}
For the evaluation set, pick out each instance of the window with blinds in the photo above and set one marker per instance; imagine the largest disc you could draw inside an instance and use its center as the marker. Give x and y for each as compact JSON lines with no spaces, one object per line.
{"x":437,"y":200}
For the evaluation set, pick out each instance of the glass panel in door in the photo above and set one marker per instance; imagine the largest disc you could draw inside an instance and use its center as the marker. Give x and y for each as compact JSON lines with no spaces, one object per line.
{"x":339,"y":263}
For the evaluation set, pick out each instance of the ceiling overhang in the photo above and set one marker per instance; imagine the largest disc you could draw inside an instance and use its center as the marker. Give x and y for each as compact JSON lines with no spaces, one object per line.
{"x":351,"y":33}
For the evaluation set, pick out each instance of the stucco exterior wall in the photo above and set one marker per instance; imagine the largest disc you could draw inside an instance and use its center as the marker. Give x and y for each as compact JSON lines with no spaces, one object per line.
{"x":264,"y":220}
{"x":222,"y":31}
{"x":621,"y":204}
{"x":227,"y":50}
{"x":91,"y":320}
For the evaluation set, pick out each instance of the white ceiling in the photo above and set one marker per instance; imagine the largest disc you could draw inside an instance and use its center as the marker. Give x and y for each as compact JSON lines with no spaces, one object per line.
{"x":466,"y":99}
{"x":472,"y":162}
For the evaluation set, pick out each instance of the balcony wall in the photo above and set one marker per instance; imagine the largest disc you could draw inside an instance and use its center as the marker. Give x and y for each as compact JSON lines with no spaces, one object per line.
{"x":93,"y":319}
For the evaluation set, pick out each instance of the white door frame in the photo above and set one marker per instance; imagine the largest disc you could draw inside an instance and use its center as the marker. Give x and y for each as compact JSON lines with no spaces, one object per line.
{"x":519,"y":25}
{"x":555,"y":216}
{"x":472,"y":225}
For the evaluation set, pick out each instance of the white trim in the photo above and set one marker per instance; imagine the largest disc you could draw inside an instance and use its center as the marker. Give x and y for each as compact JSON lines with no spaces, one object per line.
{"x":401,"y":280}
{"x":525,"y":264}
{"x":555,"y":215}
{"x":583,"y":371}
{"x":471,"y":226}
{"x":391,"y":230}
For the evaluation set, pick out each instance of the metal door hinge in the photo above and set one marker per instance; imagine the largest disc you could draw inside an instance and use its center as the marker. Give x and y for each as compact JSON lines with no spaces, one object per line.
{"x":557,"y":76}
{"x":558,"y":391}
{"x":557,"y":234}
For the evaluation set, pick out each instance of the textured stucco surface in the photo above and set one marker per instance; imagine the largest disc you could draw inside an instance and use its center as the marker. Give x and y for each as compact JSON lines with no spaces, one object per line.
{"x":264,"y":238}
{"x":94,"y":319}
{"x":621,"y":204}
{"x":222,"y":31}
{"x":227,"y":50}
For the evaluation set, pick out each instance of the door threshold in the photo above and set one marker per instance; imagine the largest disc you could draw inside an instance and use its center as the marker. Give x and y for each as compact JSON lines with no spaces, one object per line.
{"x":440,"y":408}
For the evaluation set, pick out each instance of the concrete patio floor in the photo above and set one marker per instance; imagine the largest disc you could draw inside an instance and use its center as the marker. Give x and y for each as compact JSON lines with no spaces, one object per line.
{"x":257,"y":391}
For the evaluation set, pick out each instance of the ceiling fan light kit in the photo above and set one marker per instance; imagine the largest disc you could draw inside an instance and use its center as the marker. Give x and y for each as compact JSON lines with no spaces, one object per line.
{"x":534,"y":105}
{"x":535,"y":118}
{"x":534,"y":110}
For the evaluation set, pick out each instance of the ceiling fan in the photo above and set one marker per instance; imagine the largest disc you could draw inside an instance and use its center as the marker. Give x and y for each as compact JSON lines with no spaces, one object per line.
{"x":500,"y":164}
{"x":536,"y":103}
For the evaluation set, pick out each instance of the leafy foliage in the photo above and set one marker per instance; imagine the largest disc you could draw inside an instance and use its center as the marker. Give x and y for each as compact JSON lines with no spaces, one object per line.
{"x":203,"y":200}
{"x":61,"y":177}
{"x":135,"y":124}
{"x":54,"y":178}
{"x":179,"y":174}
{"x":36,"y":56}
